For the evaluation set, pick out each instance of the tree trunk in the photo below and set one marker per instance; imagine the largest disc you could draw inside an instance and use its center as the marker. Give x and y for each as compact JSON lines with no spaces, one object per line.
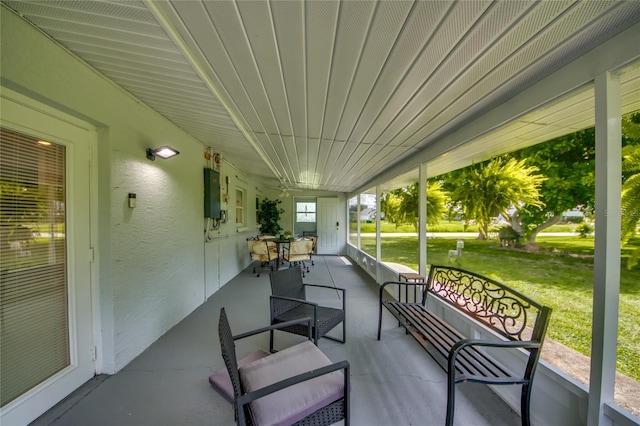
{"x":515,"y":223}
{"x":531,"y":239}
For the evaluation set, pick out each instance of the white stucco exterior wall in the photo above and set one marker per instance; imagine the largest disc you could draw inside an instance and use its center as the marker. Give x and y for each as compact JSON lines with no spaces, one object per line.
{"x":154,"y":265}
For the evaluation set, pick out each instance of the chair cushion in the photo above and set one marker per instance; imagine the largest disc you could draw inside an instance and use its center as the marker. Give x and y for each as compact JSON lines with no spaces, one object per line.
{"x":296,"y":257}
{"x":220,"y":379}
{"x":296,"y":402}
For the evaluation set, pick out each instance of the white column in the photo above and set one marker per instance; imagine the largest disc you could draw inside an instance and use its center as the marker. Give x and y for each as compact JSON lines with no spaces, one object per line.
{"x":378,"y":232}
{"x":422,"y":219}
{"x":358,"y":220}
{"x":606,"y":285}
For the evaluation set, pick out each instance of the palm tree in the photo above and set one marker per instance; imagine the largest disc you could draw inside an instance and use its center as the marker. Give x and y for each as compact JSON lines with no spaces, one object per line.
{"x":484,"y":191}
{"x":401,"y":205}
{"x":631,"y":198}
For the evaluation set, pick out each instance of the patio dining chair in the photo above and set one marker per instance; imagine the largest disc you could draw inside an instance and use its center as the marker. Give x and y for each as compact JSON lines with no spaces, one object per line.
{"x":298,"y":253}
{"x":289,"y":301}
{"x":263,"y":251}
{"x":298,"y":385}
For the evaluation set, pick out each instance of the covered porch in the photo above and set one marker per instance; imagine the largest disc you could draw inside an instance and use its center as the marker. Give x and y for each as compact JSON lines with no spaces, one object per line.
{"x":414,"y":89}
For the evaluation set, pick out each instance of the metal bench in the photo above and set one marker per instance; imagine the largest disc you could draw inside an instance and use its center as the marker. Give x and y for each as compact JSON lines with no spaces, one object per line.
{"x":515,"y":321}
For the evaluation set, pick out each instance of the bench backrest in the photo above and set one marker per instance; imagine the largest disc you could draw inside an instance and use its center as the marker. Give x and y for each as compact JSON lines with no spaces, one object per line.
{"x":498,"y":307}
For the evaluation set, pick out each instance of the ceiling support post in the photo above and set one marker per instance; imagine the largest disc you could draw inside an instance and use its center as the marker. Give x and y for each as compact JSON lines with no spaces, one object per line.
{"x":606,"y":279}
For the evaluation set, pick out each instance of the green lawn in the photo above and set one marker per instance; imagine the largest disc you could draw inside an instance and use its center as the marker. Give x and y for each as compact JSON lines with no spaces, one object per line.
{"x":560,"y":276}
{"x":444,"y":226}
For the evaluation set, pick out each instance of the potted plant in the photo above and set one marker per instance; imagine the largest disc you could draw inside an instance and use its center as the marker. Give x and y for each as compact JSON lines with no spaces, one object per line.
{"x":269,"y":216}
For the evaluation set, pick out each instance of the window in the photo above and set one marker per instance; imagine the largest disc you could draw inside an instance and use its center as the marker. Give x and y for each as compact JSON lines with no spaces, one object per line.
{"x":367,"y":220}
{"x":353,"y":220}
{"x":305,"y":212}
{"x":240,"y":204}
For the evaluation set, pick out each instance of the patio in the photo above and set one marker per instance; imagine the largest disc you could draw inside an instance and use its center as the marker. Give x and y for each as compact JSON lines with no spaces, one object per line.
{"x":393,"y":381}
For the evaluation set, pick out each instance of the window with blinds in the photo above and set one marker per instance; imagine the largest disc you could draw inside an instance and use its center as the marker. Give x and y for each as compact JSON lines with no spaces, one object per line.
{"x":33,"y":280}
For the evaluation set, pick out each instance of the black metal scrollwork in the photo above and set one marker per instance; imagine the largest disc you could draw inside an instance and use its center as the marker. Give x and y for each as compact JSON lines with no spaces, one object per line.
{"x":485,"y":300}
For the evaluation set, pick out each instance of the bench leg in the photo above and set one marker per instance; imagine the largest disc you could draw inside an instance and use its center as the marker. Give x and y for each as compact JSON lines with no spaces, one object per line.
{"x":380,"y":321}
{"x":525,"y":413}
{"x":451,"y":399}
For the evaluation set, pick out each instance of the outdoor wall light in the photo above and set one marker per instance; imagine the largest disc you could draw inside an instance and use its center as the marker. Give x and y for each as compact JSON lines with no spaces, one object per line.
{"x":162,"y":152}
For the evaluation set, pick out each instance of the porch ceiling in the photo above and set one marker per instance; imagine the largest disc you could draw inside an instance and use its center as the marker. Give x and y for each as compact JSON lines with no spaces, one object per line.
{"x":327,"y":94}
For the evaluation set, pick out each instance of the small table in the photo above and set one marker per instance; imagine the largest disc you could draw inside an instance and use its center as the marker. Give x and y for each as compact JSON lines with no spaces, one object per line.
{"x":279,"y":243}
{"x":416,"y":278}
{"x":411,"y":276}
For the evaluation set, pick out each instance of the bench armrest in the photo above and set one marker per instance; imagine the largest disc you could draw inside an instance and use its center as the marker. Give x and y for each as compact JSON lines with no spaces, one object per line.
{"x":307,"y":320}
{"x":252,"y":396}
{"x":525,"y":344}
{"x":460,"y":345}
{"x":399,"y":285}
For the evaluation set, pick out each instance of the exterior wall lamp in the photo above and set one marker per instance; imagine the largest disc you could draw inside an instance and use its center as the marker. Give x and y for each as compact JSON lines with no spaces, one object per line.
{"x":162,"y":152}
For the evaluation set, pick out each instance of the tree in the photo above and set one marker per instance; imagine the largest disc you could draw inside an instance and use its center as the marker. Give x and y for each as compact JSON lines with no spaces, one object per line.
{"x":568,"y":163}
{"x":484,"y":191}
{"x":401,"y":205}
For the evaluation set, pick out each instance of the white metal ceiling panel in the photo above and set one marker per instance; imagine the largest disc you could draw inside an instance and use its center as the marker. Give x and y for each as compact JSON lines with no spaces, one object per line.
{"x":321,"y":21}
{"x":288,"y":25}
{"x":418,"y":30}
{"x":259,"y":32}
{"x":355,"y":20}
{"x":450,"y":32}
{"x":328,"y":94}
{"x":202,"y":38}
{"x":482,"y":50}
{"x":387,"y":23}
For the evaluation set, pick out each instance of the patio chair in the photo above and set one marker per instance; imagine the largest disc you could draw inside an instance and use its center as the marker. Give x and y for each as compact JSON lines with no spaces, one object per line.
{"x":288,"y":301}
{"x":264,"y":252}
{"x":296,"y":385}
{"x":314,"y":240}
{"x":297,"y":253}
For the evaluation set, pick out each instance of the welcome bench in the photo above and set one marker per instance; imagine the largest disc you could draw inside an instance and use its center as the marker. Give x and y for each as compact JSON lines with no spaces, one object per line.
{"x":515,"y":320}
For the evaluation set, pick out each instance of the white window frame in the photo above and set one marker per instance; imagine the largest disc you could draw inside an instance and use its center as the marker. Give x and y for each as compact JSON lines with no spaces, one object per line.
{"x":241,"y":201}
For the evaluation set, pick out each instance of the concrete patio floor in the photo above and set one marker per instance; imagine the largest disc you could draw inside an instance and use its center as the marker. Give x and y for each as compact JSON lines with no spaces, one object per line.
{"x":394,"y":382}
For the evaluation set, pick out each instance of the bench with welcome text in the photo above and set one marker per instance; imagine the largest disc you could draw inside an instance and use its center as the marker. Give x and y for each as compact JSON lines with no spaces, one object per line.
{"x":516,"y":321}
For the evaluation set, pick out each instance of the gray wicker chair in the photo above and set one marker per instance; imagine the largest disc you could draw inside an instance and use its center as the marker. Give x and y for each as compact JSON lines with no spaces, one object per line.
{"x":264,"y":390}
{"x":289,"y":302}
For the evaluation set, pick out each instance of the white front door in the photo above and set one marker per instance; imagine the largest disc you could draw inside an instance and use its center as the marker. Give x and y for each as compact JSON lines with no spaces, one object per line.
{"x":330,"y":230}
{"x":47,"y":265}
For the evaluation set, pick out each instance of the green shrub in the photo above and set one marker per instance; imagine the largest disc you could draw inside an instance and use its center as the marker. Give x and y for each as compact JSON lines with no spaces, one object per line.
{"x":508,"y":236}
{"x":574,"y":219}
{"x":584,"y":230}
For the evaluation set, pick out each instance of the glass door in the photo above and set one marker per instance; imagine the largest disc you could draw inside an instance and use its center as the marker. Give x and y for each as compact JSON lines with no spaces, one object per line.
{"x":47,"y":348}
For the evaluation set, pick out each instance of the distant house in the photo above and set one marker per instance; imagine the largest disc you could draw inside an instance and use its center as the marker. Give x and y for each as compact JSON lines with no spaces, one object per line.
{"x":367,"y":214}
{"x":572,"y":213}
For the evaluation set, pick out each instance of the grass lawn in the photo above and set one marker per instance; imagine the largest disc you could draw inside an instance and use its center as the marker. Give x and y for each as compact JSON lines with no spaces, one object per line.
{"x":445,"y":226}
{"x":560,"y":276}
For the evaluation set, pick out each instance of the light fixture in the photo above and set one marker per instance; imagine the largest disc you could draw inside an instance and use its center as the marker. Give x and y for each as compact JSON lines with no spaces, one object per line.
{"x":162,"y":152}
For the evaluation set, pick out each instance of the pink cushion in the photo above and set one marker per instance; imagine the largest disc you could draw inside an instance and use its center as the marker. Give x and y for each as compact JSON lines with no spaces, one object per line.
{"x":220,"y":379}
{"x":296,"y":402}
